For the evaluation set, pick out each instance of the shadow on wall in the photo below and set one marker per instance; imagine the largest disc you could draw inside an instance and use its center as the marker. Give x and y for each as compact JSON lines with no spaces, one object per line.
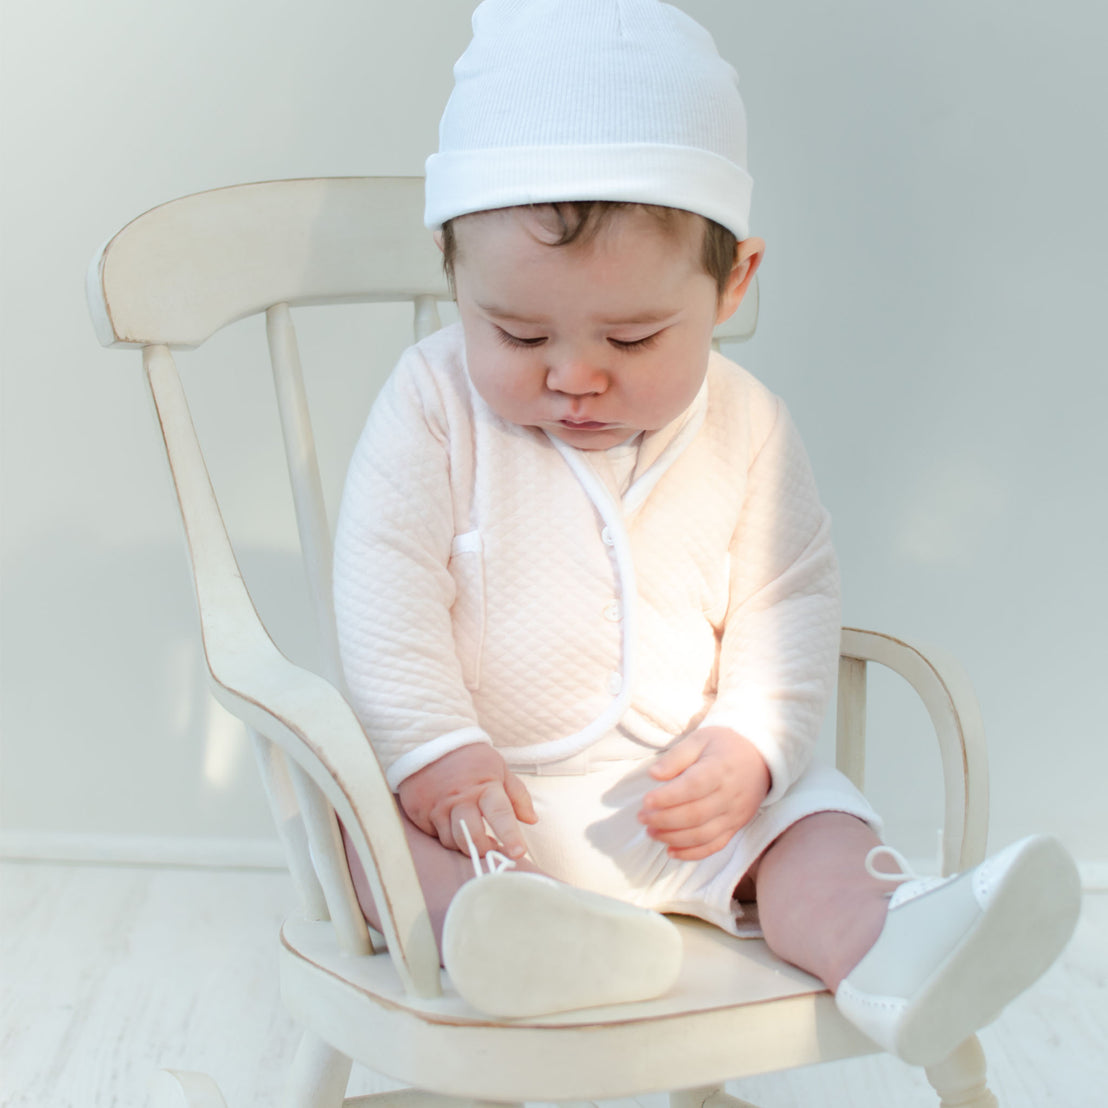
{"x":176,"y":761}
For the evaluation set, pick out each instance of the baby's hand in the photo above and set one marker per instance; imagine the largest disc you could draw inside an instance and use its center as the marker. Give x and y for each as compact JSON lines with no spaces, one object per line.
{"x":717,"y":782}
{"x":473,"y":784}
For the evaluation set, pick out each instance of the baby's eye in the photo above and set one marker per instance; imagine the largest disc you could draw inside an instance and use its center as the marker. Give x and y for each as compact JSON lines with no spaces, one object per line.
{"x":635,"y":344}
{"x":514,"y":340}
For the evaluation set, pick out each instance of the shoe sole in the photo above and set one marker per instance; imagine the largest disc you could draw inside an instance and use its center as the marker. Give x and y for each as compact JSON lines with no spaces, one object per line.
{"x":1030,"y":918}
{"x":519,"y":944}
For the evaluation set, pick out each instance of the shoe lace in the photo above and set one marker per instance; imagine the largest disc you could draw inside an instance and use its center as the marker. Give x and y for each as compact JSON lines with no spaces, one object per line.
{"x":494,"y":860}
{"x":906,"y":872}
{"x":903,"y":891}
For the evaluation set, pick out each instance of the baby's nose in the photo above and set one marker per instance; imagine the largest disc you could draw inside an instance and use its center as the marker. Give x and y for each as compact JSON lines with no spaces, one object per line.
{"x":576,"y":376}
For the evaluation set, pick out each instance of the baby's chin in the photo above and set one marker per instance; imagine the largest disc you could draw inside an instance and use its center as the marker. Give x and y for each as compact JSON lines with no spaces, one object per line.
{"x":590,"y":435}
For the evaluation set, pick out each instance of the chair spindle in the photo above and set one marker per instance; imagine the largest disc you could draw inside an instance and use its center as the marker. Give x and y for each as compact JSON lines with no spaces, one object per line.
{"x":307,"y":488}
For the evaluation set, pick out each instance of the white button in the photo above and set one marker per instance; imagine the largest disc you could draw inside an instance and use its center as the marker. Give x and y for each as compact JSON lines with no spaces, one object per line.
{"x":613,"y":612}
{"x":606,"y":536}
{"x":615,"y":683}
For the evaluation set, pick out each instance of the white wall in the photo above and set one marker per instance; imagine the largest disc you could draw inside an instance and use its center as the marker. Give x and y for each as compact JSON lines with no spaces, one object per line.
{"x":929,"y":178}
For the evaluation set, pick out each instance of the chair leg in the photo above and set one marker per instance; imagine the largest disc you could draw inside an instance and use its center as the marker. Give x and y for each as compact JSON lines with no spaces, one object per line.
{"x":709,"y":1096}
{"x":319,"y":1075}
{"x":960,"y":1079}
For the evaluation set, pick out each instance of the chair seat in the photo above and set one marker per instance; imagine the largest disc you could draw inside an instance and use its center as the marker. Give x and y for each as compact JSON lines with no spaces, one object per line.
{"x":735,"y":1011}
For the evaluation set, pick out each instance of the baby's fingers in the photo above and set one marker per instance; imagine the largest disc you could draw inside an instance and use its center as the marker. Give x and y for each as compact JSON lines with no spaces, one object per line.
{"x":681,"y":817}
{"x":448,"y":822}
{"x":498,"y":811}
{"x":520,"y":798}
{"x":687,"y":838}
{"x":677,"y":759}
{"x":694,"y":784}
{"x":696,"y":853}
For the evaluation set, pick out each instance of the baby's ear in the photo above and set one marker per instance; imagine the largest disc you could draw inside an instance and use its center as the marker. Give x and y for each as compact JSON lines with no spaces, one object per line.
{"x":748,"y":256}
{"x":437,"y":236}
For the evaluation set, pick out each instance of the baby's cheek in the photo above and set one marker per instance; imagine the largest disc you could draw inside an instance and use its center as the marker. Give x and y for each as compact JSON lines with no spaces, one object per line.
{"x":508,"y":390}
{"x":670,"y":391}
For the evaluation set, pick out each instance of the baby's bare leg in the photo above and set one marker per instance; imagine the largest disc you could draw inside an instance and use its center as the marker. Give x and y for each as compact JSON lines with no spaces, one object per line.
{"x":441,"y":871}
{"x":819,"y":908}
{"x":923,"y":975}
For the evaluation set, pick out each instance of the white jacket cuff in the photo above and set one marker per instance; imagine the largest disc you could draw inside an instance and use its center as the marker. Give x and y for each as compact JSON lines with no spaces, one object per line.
{"x":432,"y":751}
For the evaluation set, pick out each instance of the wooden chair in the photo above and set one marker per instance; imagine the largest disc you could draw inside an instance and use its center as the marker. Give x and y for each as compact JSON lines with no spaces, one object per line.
{"x":171,"y":279}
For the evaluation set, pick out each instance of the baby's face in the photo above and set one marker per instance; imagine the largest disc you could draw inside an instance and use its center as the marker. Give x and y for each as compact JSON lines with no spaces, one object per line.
{"x":592,"y":343}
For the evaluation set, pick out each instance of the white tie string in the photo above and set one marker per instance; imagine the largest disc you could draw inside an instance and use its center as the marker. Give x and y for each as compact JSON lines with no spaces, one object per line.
{"x":494,"y":860}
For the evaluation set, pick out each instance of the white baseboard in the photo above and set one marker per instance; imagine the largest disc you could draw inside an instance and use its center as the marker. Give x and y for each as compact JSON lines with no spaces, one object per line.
{"x":1094,"y":876}
{"x":141,"y":850}
{"x":228,"y":853}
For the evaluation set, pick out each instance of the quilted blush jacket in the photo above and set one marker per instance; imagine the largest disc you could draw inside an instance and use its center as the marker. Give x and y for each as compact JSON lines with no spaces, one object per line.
{"x":492,"y":585}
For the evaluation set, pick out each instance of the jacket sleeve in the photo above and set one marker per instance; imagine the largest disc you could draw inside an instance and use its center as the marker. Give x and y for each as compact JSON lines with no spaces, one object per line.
{"x":392,"y":584}
{"x":780,"y":643}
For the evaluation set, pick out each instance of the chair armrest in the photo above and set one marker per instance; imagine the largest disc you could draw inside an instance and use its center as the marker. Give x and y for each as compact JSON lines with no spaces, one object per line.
{"x":314,"y":725}
{"x":951,"y":703}
{"x":298,"y":710}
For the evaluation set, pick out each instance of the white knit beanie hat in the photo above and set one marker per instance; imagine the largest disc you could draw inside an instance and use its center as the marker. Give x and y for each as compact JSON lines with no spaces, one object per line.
{"x":591,"y":100}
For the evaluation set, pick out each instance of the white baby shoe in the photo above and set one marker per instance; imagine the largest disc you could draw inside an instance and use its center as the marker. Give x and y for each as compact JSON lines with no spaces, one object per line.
{"x":954,"y":951}
{"x":520,"y":944}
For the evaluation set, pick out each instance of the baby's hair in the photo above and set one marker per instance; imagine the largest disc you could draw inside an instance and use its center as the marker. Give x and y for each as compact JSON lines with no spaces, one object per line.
{"x":579,"y":221}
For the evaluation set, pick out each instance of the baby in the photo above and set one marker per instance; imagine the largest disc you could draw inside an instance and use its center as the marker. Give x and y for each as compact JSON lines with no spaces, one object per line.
{"x":586,"y":596}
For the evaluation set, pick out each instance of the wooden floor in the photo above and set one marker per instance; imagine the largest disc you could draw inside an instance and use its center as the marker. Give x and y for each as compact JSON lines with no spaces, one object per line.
{"x":110,"y":973}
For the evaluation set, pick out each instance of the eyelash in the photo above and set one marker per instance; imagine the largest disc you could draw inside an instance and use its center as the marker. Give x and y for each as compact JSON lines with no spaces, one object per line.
{"x":517,"y":343}
{"x":527,"y":344}
{"x":636,"y":344}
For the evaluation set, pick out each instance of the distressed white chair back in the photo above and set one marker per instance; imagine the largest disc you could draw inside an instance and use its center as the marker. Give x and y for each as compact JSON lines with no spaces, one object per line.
{"x":181,"y":272}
